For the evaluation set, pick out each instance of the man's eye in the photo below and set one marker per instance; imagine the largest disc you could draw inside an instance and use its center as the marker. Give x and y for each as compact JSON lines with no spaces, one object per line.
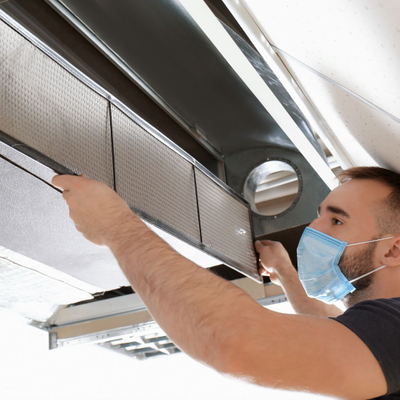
{"x":336,"y":221}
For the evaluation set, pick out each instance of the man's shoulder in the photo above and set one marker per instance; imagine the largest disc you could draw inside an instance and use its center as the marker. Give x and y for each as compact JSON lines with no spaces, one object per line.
{"x":377,"y":323}
{"x":369,"y":312}
{"x":391,"y":305}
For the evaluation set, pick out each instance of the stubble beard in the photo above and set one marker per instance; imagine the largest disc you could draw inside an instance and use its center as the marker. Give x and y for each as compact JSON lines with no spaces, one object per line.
{"x":354,"y":266}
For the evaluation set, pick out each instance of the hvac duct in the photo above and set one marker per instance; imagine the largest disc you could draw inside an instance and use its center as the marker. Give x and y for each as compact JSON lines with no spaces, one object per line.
{"x":49,"y":108}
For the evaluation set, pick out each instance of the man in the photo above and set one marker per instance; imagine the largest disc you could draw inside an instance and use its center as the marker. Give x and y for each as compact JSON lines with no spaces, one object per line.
{"x":216,"y":323}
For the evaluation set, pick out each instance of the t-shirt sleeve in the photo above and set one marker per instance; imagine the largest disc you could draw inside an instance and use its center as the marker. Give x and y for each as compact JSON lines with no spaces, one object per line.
{"x":377,"y":324}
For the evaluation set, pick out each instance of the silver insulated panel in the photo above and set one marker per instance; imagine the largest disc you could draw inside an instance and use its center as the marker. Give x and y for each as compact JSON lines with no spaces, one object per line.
{"x":154,"y":178}
{"x":50,"y":106}
{"x":225,"y":225}
{"x":50,"y":110}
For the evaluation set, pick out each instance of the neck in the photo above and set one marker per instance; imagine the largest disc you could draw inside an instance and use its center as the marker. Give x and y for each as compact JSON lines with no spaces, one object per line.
{"x":359,"y":295}
{"x":384,"y":285}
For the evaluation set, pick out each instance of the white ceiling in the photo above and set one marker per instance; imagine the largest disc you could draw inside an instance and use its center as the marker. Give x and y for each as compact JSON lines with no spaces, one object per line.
{"x":345,"y":56}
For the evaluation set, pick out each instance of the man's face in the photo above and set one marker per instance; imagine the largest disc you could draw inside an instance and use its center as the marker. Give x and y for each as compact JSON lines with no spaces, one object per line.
{"x":347,"y":214}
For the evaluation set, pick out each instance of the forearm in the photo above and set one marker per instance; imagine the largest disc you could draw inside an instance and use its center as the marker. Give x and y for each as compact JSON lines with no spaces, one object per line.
{"x":199,"y":311}
{"x":301,"y":303}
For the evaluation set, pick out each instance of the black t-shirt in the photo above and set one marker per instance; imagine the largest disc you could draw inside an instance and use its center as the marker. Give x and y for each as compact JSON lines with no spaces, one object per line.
{"x":377,"y":324}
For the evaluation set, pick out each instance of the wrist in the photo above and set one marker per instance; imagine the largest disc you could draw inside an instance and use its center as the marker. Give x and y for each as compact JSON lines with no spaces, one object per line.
{"x":122,"y":234}
{"x":287,"y":274}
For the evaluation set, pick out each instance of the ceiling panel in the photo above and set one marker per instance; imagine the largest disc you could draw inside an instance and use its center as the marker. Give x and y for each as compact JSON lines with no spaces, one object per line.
{"x":354,"y":42}
{"x":367,"y":136}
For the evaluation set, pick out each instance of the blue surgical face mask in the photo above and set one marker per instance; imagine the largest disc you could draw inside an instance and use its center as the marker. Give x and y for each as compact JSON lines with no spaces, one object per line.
{"x":318,"y":258}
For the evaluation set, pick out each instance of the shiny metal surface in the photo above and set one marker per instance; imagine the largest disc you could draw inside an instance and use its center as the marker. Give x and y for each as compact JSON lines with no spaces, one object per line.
{"x":259,"y":176}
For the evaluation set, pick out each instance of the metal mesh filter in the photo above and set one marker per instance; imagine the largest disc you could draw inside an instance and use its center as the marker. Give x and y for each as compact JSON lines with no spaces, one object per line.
{"x":47,"y":108}
{"x":153,"y":178}
{"x":225,"y":224}
{"x":50,"y":109}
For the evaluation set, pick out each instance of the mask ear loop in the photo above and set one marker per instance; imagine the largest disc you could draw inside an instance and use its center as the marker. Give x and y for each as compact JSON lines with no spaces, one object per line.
{"x":376,"y":269}
{"x":368,"y":273}
{"x":370,"y":241}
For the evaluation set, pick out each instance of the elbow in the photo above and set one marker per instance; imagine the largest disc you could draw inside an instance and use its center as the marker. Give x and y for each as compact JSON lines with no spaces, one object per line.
{"x":232,"y":357}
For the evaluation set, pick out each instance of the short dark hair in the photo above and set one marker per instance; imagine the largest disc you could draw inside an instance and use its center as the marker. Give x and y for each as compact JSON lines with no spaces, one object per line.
{"x":388,"y":212}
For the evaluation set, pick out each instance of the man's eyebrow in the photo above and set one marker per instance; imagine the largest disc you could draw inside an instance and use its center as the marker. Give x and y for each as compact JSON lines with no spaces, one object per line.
{"x":337,"y":210}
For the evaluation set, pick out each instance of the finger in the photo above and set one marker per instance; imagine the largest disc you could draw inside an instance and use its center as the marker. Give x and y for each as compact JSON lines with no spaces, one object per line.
{"x":69,"y":198}
{"x":65,"y":181}
{"x":263,"y":271}
{"x":66,"y":194}
{"x":259,"y":246}
{"x":78,"y":228}
{"x":267,"y":242}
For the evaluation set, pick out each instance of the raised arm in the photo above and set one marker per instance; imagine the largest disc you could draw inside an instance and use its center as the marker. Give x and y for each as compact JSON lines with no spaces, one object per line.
{"x":214,"y":321}
{"x":275,"y":262}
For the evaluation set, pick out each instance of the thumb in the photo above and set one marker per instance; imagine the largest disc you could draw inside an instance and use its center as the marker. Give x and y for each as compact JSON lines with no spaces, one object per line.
{"x":259,"y":246}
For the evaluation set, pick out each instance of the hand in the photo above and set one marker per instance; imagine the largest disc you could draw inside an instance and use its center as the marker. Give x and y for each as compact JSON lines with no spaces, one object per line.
{"x":97,"y":211}
{"x":274,"y":261}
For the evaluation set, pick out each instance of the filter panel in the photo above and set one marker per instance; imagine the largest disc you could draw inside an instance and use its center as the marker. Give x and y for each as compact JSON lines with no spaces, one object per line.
{"x":153,"y":178}
{"x":50,"y":110}
{"x":225,"y":225}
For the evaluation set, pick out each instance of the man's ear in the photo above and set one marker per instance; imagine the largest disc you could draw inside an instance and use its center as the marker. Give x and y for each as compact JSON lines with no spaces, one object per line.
{"x":392,"y":256}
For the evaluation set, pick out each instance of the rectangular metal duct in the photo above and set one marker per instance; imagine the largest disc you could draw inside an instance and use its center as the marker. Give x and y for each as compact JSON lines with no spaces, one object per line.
{"x":48,"y":105}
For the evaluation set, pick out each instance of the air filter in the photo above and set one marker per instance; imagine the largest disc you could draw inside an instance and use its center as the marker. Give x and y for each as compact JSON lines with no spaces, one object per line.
{"x":52,"y":112}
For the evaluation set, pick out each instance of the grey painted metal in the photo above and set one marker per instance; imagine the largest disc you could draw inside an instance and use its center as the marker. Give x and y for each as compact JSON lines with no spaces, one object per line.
{"x":171,"y":54}
{"x":277,"y":88}
{"x":312,"y":190}
{"x":64,"y":11}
